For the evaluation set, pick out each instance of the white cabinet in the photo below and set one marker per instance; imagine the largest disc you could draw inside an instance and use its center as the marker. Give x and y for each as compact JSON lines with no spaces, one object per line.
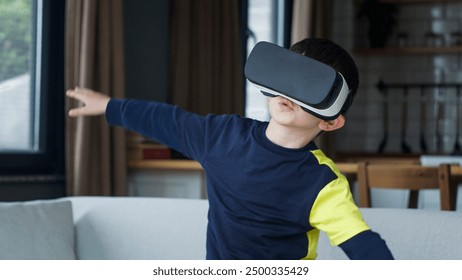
{"x":167,"y":183}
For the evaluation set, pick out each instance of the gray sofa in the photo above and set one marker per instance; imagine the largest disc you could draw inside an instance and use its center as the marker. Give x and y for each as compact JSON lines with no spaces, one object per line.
{"x":161,"y":228}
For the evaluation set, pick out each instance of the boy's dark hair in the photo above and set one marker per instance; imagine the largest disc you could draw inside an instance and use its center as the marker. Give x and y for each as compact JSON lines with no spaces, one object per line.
{"x":335,"y":56}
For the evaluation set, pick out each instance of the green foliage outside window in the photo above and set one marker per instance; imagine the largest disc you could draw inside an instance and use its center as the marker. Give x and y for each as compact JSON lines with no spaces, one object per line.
{"x":15,"y":37}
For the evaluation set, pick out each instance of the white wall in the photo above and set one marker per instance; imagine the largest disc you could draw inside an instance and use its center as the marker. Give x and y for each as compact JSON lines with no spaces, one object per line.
{"x":165,"y":183}
{"x":364,"y":130}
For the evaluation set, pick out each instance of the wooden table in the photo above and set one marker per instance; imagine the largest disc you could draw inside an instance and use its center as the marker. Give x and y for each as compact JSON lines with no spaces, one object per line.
{"x":352,"y":168}
{"x":165,"y":164}
{"x":347,"y":168}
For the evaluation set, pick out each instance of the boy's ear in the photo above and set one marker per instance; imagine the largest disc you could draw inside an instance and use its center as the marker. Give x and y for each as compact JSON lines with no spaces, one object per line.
{"x":332,"y":124}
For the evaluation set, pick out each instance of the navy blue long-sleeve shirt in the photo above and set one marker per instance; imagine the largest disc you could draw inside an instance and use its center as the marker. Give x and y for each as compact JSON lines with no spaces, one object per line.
{"x":266,"y":201}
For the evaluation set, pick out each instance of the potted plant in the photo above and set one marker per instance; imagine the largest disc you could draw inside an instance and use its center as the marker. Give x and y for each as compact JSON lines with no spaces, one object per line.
{"x":381,"y":18}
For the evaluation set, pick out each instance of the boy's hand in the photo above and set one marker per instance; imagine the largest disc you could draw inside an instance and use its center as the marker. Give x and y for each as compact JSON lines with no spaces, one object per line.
{"x":94,"y":102}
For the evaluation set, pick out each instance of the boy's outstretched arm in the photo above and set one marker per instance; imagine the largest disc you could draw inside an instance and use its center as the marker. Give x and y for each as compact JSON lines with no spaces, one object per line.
{"x":95,"y":103}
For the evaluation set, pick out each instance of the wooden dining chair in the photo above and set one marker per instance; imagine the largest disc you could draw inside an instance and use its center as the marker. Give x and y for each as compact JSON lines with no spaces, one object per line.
{"x":413,"y":177}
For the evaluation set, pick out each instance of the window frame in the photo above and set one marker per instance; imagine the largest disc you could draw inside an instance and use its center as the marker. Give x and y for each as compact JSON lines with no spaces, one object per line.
{"x":281,"y":25}
{"x":49,"y":158}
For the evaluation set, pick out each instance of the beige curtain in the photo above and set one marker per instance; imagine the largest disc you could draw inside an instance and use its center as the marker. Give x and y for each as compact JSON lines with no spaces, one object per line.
{"x":302,"y":16}
{"x":313,"y":19}
{"x":206,"y":56}
{"x":95,"y":153}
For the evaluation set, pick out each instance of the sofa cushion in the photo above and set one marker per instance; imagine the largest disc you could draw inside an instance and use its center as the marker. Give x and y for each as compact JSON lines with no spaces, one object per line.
{"x":142,"y":228}
{"x":411,"y":234}
{"x":36,"y":230}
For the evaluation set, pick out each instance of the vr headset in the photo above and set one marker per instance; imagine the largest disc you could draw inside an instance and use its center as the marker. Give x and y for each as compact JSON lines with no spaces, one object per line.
{"x":315,"y":86}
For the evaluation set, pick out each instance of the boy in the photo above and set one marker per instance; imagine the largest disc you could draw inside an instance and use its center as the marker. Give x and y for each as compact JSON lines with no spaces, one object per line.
{"x":270,"y":189}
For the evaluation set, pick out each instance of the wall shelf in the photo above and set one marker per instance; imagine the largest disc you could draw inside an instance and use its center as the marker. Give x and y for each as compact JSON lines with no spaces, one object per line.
{"x":403,"y":2}
{"x":408,"y":51}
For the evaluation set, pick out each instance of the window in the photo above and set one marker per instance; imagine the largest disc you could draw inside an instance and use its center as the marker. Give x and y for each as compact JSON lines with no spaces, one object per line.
{"x":267,"y":21}
{"x":31,"y":86}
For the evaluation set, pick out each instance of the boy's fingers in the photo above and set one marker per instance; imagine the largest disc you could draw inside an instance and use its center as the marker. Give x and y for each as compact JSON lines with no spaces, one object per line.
{"x":92,"y":102}
{"x":77,"y":112}
{"x":74,"y":94}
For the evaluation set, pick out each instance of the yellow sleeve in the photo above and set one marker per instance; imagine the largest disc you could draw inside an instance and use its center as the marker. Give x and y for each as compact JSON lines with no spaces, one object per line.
{"x":335,"y":212}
